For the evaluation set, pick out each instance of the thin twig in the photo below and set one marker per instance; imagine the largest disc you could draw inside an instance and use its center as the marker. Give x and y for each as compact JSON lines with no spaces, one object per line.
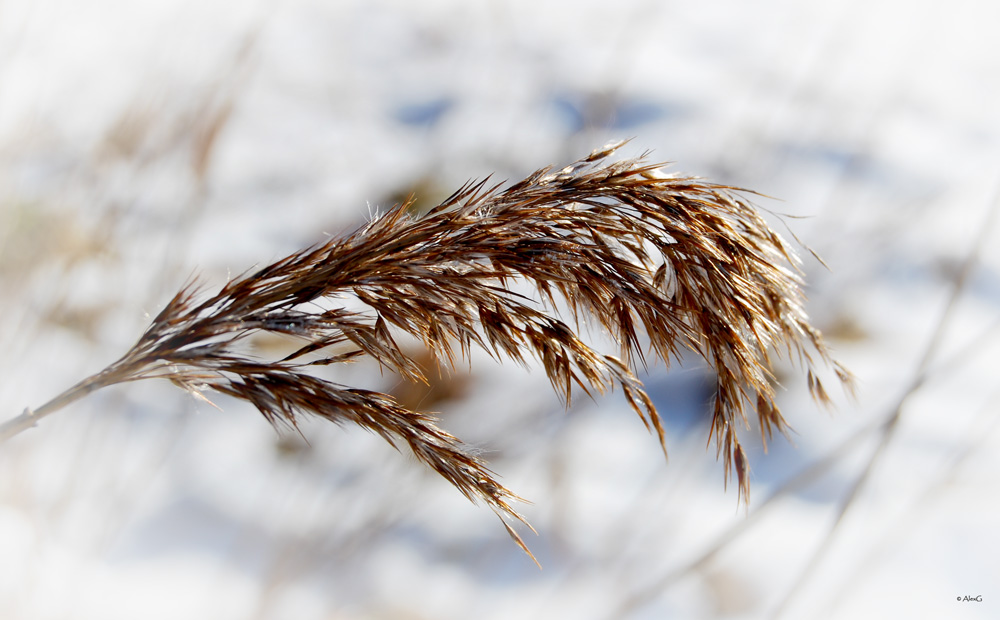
{"x":982,"y":429}
{"x":891,"y":424}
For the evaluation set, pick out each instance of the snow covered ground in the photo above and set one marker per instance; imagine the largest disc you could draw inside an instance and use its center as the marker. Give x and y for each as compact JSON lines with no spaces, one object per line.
{"x":143,"y":141}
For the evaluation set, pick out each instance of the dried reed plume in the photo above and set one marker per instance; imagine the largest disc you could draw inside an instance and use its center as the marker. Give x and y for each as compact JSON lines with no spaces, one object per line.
{"x":689,"y":264}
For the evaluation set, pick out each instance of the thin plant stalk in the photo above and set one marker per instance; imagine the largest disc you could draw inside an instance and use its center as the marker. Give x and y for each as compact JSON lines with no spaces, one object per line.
{"x":887,"y":430}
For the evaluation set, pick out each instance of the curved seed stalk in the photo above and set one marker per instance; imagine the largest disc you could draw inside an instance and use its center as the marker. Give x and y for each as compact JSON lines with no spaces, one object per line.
{"x":689,"y":264}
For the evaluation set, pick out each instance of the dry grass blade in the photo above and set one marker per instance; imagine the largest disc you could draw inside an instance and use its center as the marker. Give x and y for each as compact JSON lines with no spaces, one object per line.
{"x":691,"y":265}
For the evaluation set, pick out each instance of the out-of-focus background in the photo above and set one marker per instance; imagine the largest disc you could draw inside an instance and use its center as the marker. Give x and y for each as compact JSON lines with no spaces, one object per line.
{"x":142,"y":142}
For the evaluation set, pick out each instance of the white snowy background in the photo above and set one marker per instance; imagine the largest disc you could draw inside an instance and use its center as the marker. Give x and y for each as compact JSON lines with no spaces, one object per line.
{"x":144,"y":141}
